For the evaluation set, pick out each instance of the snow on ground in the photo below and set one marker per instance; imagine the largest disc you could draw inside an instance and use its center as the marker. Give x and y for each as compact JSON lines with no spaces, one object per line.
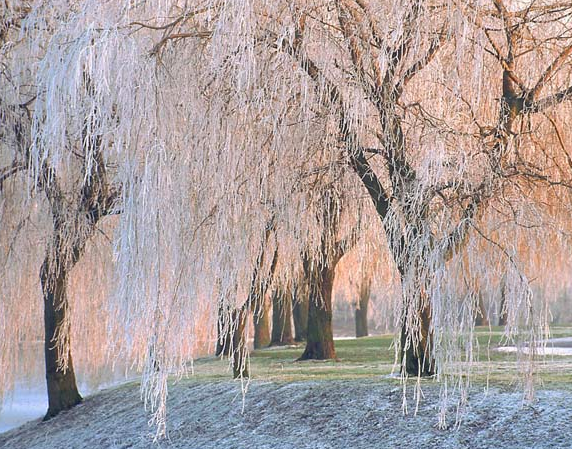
{"x":539,"y":350}
{"x":309,"y":414}
{"x":554,"y":346}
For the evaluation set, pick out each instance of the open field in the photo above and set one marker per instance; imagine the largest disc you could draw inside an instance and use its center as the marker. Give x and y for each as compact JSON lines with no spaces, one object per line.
{"x":352,"y":402}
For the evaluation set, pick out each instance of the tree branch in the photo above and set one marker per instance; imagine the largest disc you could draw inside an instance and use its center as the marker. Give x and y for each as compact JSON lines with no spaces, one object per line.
{"x":550,"y":70}
{"x":421,"y":63}
{"x":6,"y":172}
{"x":547,"y":102}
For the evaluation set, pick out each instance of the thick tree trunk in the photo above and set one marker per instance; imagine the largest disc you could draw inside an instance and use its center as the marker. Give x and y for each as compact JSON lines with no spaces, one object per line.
{"x":239,"y":342}
{"x":262,"y":324}
{"x":361,"y":320}
{"x":300,"y":314}
{"x":320,"y":342}
{"x":361,"y":308}
{"x":62,"y":389}
{"x":416,"y":347}
{"x":281,"y":319}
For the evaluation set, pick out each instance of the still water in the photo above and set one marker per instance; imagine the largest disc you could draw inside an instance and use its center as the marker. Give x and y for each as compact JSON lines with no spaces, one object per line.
{"x":29,"y":399}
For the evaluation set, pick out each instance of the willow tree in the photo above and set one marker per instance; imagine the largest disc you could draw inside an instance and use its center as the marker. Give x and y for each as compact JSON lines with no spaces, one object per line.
{"x":220,"y":116}
{"x":427,"y":204}
{"x":76,"y":195}
{"x":319,"y":273}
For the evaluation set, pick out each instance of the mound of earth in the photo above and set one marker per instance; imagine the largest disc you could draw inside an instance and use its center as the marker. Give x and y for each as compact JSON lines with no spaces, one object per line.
{"x":320,"y":414}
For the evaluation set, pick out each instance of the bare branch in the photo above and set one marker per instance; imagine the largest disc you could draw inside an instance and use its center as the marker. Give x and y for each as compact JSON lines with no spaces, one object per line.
{"x":550,"y":70}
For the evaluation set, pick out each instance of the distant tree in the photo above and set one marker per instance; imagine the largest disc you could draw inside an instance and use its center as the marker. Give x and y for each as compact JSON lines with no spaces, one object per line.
{"x":261,"y":317}
{"x":319,"y":273}
{"x":281,"y":318}
{"x":361,"y":307}
{"x":300,"y":311}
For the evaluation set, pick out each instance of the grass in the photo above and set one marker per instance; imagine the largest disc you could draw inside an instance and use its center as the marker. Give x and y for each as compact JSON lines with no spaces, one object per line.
{"x":373,"y":358}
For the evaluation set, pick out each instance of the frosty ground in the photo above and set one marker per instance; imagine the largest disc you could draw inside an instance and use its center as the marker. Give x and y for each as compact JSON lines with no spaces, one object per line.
{"x":349,"y":403}
{"x":309,"y":414}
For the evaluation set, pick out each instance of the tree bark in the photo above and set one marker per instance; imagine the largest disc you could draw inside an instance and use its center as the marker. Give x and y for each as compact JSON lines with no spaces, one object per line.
{"x":416,"y":344}
{"x":239,"y":342}
{"x":224,"y":334}
{"x":481,"y":317}
{"x":281,"y":319}
{"x":503,"y":313}
{"x":300,"y":314}
{"x":320,"y":342}
{"x":262,"y":324}
{"x":62,"y":389}
{"x":361,"y":308}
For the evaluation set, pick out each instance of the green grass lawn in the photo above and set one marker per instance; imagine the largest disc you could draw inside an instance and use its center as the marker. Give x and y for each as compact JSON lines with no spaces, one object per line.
{"x":373,"y":358}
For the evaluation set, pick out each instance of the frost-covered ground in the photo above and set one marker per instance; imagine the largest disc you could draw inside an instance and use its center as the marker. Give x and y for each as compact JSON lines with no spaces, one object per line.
{"x":308,"y":414}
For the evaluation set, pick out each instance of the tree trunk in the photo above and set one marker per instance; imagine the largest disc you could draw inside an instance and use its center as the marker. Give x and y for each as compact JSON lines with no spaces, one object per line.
{"x":223,"y":341}
{"x":503,"y":315}
{"x":416,"y":345}
{"x":281,"y":319}
{"x":300,"y":314}
{"x":502,"y":312}
{"x":262,"y":324}
{"x":361,"y":308}
{"x":239,"y":342}
{"x":62,"y":389}
{"x":481,"y":317}
{"x":320,"y":342}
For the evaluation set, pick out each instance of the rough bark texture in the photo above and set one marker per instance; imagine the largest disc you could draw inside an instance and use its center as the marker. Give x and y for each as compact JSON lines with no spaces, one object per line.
{"x":320,"y":342}
{"x":239,"y":345}
{"x":416,"y":356}
{"x":300,"y":314}
{"x":281,"y":319}
{"x":262,"y":325}
{"x":62,"y":389}
{"x":361,"y":308}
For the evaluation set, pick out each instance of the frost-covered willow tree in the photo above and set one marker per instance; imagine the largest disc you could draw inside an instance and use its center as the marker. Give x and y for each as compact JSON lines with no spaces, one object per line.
{"x":204,"y":161}
{"x":439,"y":175}
{"x":222,"y":117}
{"x":49,"y":205}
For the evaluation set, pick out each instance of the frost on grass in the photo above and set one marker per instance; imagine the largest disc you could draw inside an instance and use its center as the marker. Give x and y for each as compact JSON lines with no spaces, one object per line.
{"x":333,"y":414}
